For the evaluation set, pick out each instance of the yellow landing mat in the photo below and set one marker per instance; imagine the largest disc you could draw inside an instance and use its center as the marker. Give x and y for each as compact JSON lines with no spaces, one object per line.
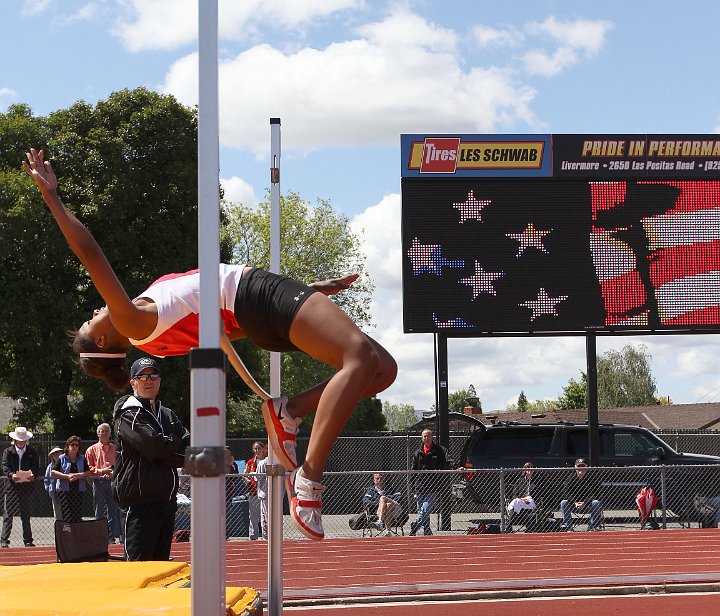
{"x":108,"y":588}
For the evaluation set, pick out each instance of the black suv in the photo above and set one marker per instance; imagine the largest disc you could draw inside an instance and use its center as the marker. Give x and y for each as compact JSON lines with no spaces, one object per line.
{"x":510,"y":445}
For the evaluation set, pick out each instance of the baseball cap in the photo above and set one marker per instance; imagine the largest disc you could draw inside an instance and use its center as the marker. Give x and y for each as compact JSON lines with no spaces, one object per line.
{"x":140,"y":364}
{"x":580,"y":462}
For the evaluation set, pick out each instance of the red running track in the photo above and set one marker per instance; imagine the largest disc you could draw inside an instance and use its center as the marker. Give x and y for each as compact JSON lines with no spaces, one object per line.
{"x":381,"y":566}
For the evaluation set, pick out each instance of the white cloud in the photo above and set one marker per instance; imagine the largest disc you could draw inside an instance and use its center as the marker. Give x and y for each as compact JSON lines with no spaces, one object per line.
{"x":577,"y":39}
{"x":34,"y":7}
{"x":238,"y":190}
{"x":485,"y":36}
{"x":84,"y":13}
{"x":403,"y":76}
{"x":379,"y":226}
{"x":582,"y":34}
{"x":161,"y":24}
{"x":6,"y":96}
{"x":539,"y":62}
{"x":169,"y":24}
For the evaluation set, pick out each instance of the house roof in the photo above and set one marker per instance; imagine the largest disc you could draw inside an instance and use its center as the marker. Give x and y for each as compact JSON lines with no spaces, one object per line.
{"x":702,"y":416}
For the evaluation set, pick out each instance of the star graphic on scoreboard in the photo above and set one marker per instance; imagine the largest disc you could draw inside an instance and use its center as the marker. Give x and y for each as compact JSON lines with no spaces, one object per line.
{"x":530,"y":238}
{"x":428,"y":258}
{"x":544,"y":304}
{"x":456,"y":323}
{"x":471,"y":208}
{"x":482,"y":281}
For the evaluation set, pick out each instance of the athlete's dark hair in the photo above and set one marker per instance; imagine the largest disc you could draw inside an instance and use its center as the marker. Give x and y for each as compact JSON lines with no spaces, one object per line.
{"x":113,"y":370}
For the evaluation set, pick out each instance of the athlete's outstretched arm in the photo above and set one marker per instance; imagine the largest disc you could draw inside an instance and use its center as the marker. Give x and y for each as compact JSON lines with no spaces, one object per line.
{"x":126,"y":317}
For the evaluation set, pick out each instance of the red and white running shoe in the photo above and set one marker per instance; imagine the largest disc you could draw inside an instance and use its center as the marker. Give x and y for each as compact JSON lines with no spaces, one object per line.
{"x":282,"y":431}
{"x":305,"y":498}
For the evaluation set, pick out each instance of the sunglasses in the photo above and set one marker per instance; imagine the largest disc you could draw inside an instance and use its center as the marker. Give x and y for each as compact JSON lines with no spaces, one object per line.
{"x":153,"y":376}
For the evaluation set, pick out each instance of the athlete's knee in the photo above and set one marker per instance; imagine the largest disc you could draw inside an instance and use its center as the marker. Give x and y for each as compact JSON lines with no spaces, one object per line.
{"x":363,"y":355}
{"x":386,"y":373}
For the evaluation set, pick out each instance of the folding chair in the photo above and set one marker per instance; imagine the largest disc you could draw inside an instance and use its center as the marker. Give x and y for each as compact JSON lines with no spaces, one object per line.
{"x":86,"y":541}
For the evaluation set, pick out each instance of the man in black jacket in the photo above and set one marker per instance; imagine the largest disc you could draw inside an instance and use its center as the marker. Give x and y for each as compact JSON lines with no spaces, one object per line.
{"x":430,"y":457}
{"x":580,"y":494}
{"x":152,"y":445}
{"x":20,"y":467}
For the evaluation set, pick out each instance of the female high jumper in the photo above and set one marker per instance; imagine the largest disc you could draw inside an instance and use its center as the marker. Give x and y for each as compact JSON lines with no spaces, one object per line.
{"x":274,"y":312}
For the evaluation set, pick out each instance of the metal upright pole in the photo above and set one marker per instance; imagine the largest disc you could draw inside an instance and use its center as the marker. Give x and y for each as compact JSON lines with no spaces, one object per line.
{"x":443,"y":422}
{"x":205,"y":459}
{"x":592,"y":398}
{"x":275,"y":479}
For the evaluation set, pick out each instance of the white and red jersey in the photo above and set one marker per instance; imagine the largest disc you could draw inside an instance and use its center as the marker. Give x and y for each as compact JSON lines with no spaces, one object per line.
{"x":177,"y":297}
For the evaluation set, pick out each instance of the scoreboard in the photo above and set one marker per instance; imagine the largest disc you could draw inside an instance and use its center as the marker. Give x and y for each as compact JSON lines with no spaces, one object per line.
{"x":560,"y":234}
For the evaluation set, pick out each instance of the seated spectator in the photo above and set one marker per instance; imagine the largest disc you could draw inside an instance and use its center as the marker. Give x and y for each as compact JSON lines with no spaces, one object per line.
{"x":580,"y":493}
{"x":380,"y":498}
{"x":522,"y":494}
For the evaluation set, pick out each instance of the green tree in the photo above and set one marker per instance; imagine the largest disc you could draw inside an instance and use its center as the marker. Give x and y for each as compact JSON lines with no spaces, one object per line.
{"x":456,"y":399}
{"x":522,"y":403}
{"x":574,"y":395}
{"x":128,"y":168}
{"x":536,"y":406}
{"x":368,"y":416}
{"x":399,"y":416}
{"x":625,"y":377}
{"x":317,"y":243}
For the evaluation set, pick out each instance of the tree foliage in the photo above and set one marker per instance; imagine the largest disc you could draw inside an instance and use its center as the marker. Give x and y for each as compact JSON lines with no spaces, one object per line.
{"x":574,"y":395}
{"x":535,"y":406}
{"x":368,"y":417}
{"x":128,"y":169}
{"x":399,"y":416}
{"x":624,"y":378}
{"x":522,"y":403}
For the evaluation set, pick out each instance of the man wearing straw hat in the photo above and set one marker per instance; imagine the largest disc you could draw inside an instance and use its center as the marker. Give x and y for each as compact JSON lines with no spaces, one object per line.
{"x":20,"y":466}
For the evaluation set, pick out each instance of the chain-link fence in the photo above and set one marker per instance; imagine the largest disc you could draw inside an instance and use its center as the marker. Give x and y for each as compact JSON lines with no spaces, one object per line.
{"x":453,"y":501}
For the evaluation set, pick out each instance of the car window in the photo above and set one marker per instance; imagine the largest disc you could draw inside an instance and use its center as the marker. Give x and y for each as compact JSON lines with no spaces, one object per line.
{"x":515,"y":441}
{"x":576,"y":444}
{"x":633,"y":445}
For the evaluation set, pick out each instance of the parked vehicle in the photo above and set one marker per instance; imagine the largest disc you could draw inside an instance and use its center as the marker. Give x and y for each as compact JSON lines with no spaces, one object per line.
{"x":509,"y":445}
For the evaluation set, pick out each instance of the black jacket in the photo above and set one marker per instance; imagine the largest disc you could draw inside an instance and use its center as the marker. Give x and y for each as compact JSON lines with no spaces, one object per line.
{"x":425,"y":483}
{"x":581,"y":490}
{"x":523,"y":487}
{"x":11,"y":462}
{"x":149,"y":451}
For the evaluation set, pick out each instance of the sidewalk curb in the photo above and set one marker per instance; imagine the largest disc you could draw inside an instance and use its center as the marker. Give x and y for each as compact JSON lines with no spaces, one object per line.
{"x":530,"y":593}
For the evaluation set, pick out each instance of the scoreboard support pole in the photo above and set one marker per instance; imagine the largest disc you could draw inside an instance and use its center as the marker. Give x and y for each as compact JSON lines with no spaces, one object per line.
{"x":442,"y":418}
{"x":592,"y":397}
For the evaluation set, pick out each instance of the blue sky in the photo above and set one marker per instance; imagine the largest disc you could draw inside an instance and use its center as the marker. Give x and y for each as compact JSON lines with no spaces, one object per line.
{"x":348,"y":77}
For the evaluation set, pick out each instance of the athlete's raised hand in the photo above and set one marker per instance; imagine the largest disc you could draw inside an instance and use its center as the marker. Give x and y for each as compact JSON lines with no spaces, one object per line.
{"x":41,"y":170}
{"x":334,"y":285}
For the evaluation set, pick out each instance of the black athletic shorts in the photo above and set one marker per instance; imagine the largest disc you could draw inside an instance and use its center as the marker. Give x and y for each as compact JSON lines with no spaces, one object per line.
{"x":265,"y":306}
